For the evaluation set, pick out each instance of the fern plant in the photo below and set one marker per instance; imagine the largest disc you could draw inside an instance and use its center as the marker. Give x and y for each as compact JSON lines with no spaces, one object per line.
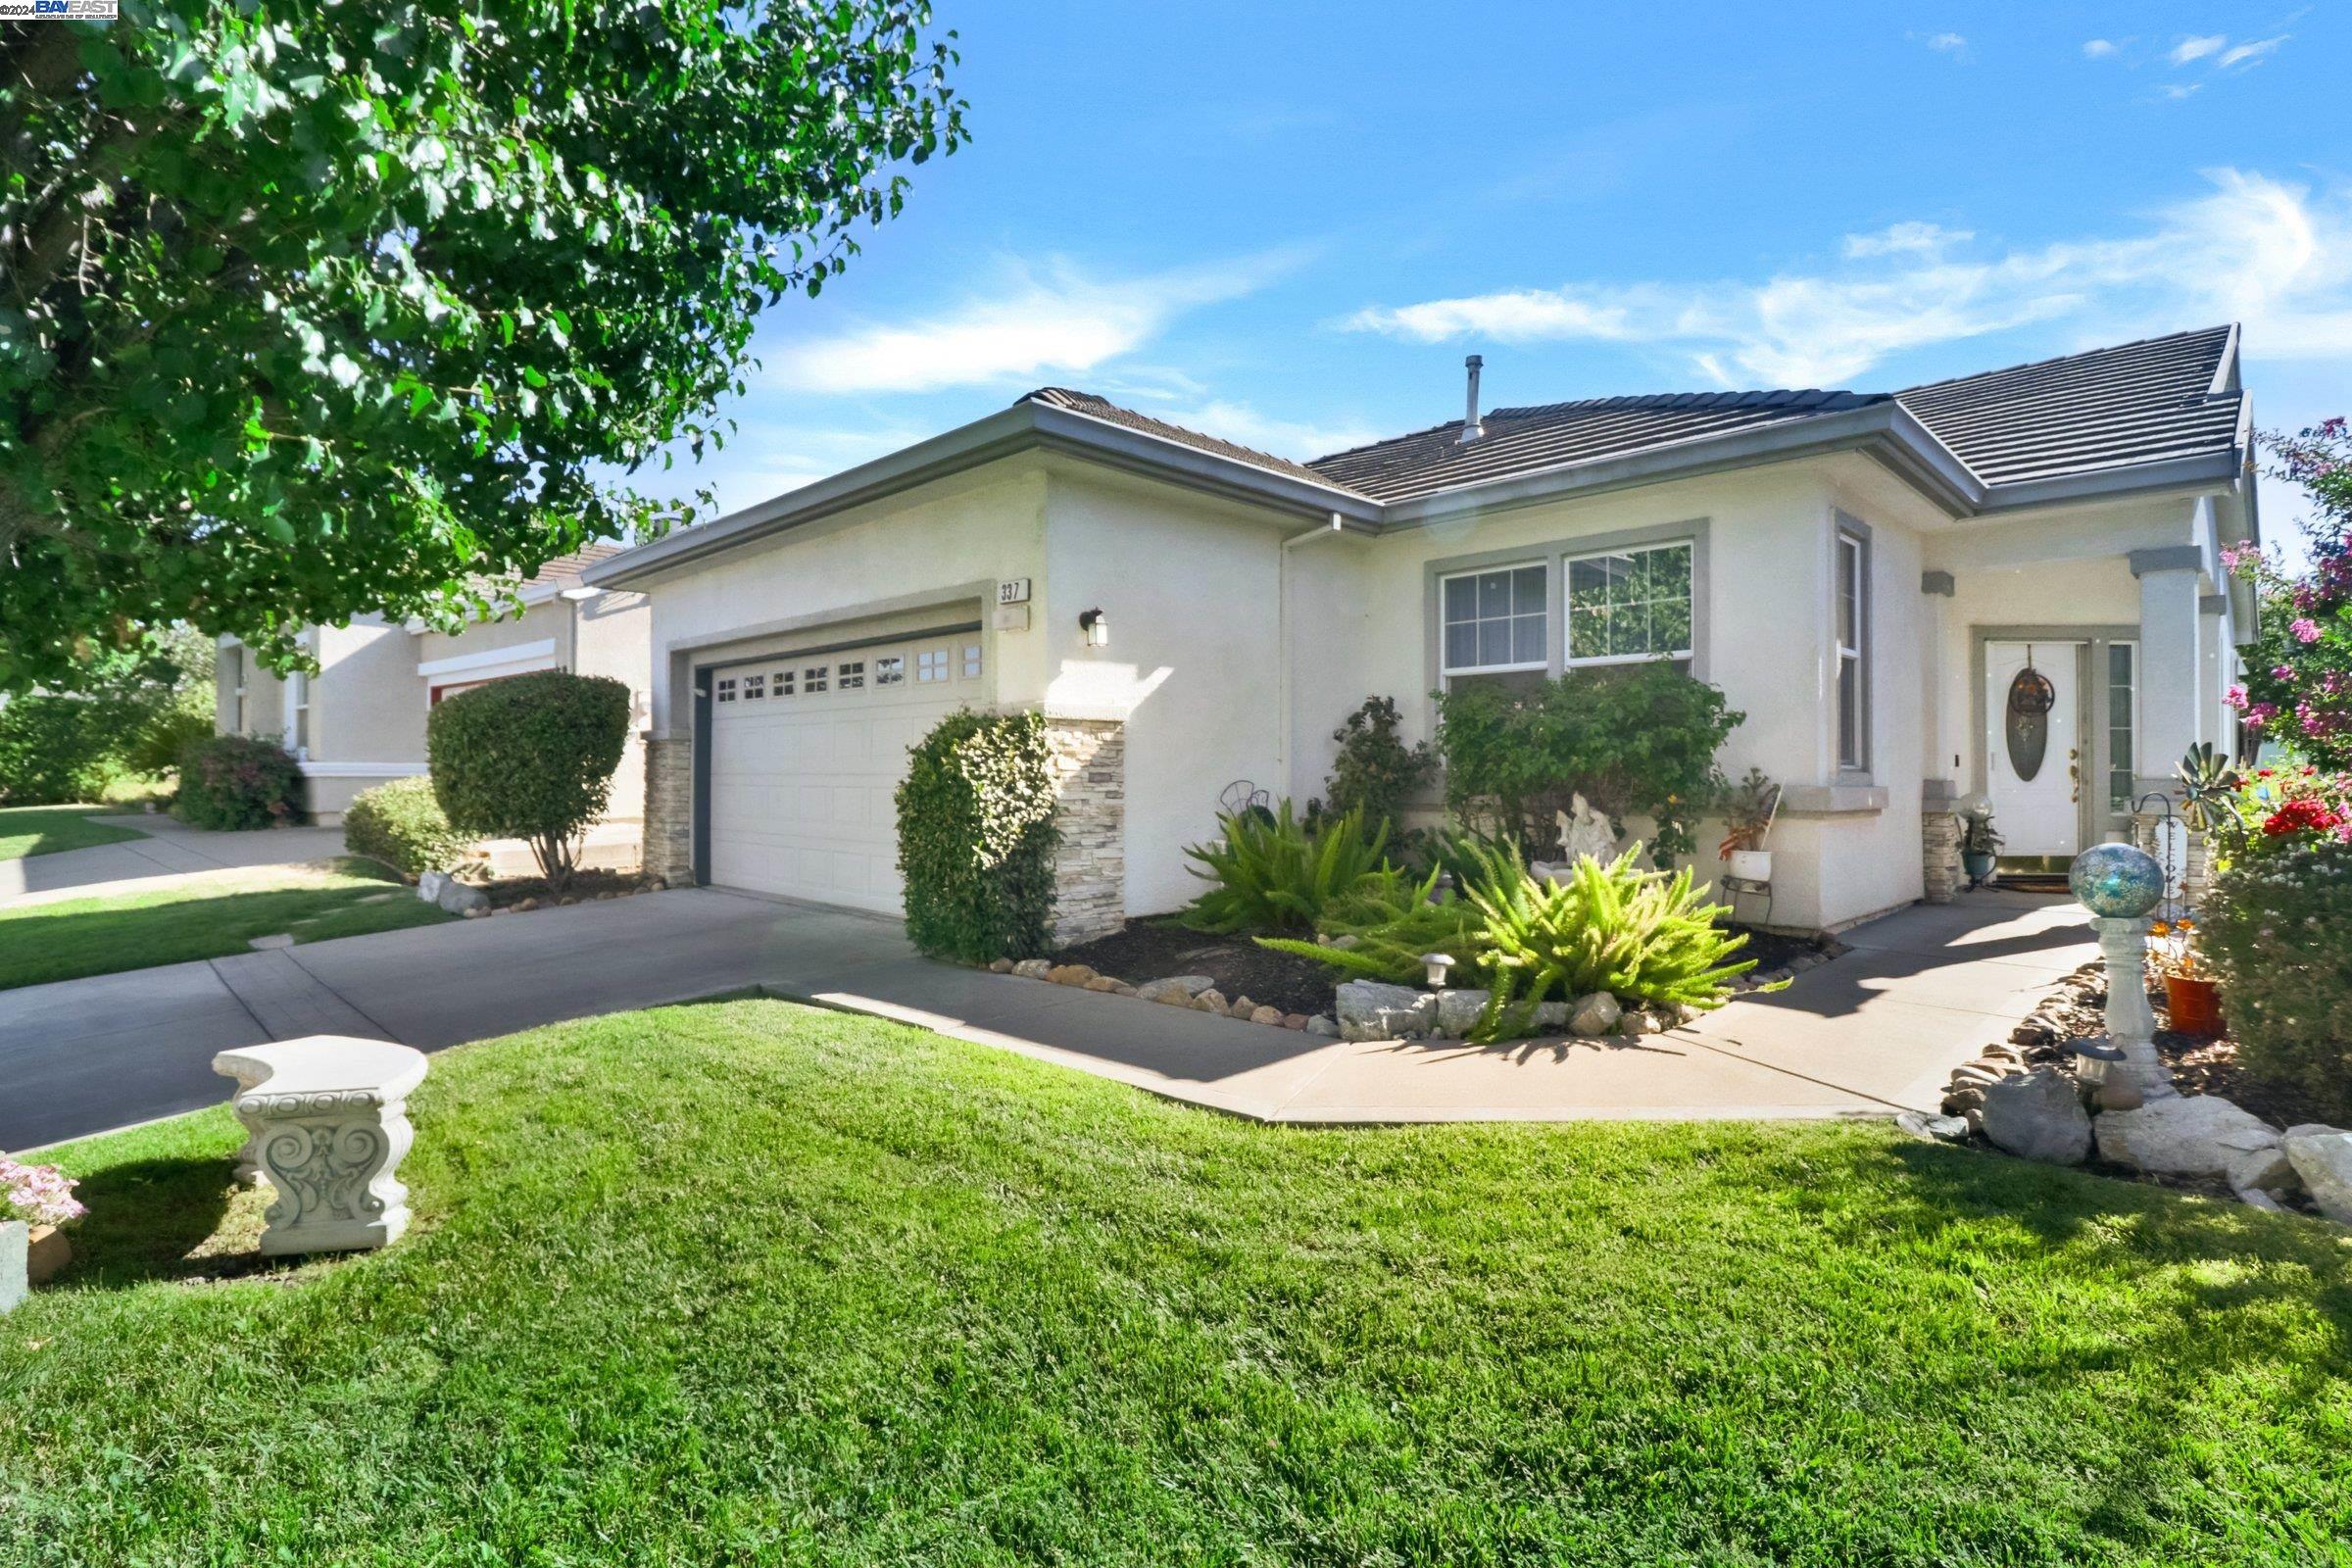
{"x":1643,"y":936}
{"x":1270,"y":872}
{"x":1392,"y":920}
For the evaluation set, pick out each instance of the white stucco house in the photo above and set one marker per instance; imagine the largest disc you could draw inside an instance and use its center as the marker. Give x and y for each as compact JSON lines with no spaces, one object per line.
{"x":360,"y":719}
{"x":1865,"y":574}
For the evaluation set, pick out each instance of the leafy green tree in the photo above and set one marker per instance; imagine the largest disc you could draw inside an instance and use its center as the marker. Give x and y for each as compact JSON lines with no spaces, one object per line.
{"x":2298,"y":667}
{"x":309,"y":309}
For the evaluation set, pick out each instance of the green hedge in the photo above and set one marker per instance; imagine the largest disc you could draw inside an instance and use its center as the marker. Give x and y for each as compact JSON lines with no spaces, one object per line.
{"x":402,"y":824}
{"x":976,"y":838}
{"x":2274,"y":925}
{"x":56,"y":750}
{"x":530,"y":757}
{"x":237,"y":781}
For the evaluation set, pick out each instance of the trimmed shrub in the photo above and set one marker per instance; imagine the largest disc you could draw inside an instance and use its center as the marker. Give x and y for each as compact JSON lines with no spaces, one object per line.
{"x":977,"y":838}
{"x":57,"y":751}
{"x":402,"y":824}
{"x":2273,"y":926}
{"x":1375,"y":774}
{"x":235,"y":782}
{"x":530,"y":757}
{"x":1634,"y":740}
{"x":1270,"y":872}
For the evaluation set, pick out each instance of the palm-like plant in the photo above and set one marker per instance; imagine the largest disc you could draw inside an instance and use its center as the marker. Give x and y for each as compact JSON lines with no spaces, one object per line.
{"x":1388,"y":924}
{"x":1269,"y":872}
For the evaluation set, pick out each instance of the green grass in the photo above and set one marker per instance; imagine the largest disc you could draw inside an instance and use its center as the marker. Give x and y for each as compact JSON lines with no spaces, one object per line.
{"x":27,"y":830}
{"x":206,"y":917}
{"x":747,"y":1282}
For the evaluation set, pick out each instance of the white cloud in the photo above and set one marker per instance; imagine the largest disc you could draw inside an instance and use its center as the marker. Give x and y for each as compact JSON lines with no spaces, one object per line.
{"x":2098,"y":48}
{"x":1902,"y":239}
{"x":1951,"y":43}
{"x":2248,"y":54}
{"x":2272,"y":255}
{"x":2188,"y":49}
{"x":2175,"y":91}
{"x":1040,"y":323}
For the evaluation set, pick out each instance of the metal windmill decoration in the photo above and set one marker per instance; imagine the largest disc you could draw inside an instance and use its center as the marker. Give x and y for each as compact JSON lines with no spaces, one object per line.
{"x":2027,"y":728}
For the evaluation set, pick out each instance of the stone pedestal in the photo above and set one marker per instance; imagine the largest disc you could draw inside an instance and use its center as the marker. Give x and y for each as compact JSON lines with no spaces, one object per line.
{"x":328,"y":1121}
{"x":2130,"y":1021}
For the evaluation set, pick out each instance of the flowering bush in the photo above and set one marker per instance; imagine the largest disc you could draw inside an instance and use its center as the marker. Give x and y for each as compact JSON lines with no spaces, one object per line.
{"x":2298,"y":684}
{"x":38,"y":1194}
{"x":2275,"y":924}
{"x":236,"y":782}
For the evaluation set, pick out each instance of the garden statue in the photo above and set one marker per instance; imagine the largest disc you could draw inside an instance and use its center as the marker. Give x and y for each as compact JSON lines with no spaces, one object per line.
{"x":2120,"y":884}
{"x":1587,"y":832}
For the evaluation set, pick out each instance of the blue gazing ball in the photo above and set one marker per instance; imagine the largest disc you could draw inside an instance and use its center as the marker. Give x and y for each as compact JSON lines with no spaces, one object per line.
{"x":2116,"y":880}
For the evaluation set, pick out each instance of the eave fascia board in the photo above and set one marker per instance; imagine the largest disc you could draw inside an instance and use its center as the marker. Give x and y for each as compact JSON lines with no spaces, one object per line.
{"x":1887,"y":431}
{"x":2216,"y":468}
{"x":1025,"y":426}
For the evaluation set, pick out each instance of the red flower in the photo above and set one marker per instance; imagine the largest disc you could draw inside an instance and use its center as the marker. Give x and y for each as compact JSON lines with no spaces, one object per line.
{"x":2301,"y":815}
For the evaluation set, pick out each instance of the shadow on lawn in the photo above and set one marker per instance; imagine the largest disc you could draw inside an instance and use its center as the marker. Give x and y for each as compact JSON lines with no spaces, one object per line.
{"x":162,"y":1219}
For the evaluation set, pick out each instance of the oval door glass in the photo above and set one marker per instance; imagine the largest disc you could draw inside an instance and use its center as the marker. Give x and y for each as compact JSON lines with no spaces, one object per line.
{"x":2028,"y":729}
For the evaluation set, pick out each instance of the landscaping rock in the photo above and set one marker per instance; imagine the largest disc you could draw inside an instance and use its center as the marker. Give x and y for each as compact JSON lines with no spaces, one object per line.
{"x":1210,"y":1000}
{"x":429,"y":885}
{"x":525,"y":906}
{"x":1552,"y":1017}
{"x":2323,"y":1156}
{"x":2192,"y":1136}
{"x":1179,"y":988}
{"x":1242,"y":1008}
{"x":1932,"y":1129}
{"x":2039,"y":1117}
{"x":1069,"y":974}
{"x":1595,"y":1015}
{"x":1267,"y":1016}
{"x":1962,"y":1100}
{"x":1000,"y":967}
{"x":1120,"y":988}
{"x":2264,"y":1170}
{"x":1642,"y":1021}
{"x":1322,"y":1024}
{"x":1459,"y":1011}
{"x":1293,"y":1020}
{"x":1371,"y":1010}
{"x":1103,"y":982}
{"x":456,"y":897}
{"x":2256,"y":1198}
{"x":1032,"y":968}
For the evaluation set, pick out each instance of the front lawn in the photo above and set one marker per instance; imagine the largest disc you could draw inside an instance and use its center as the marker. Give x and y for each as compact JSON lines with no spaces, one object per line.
{"x":28,"y":831}
{"x":747,"y":1282}
{"x":206,"y":917}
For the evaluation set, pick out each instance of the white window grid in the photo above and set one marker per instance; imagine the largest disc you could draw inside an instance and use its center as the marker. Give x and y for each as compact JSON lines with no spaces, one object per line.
{"x":1852,"y":633}
{"x":812,"y":678}
{"x":754,"y":687}
{"x":890,"y":670}
{"x":1570,"y":660}
{"x":781,"y":682}
{"x":2123,"y":724}
{"x":930,"y":664}
{"x":726,"y":688}
{"x":1513,"y":617}
{"x":850,"y":675}
{"x":971,"y":660}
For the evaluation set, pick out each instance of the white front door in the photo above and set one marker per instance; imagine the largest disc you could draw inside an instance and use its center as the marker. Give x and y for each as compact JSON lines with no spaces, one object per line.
{"x":2033,"y":759}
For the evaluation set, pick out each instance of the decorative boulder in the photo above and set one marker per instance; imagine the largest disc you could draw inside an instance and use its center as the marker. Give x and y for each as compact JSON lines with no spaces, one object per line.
{"x":2189,"y":1136}
{"x":1069,"y":974}
{"x":1595,"y":1015}
{"x":1179,"y":988}
{"x":1459,"y":1011}
{"x":1371,"y":1010}
{"x":1266,"y":1015}
{"x":2037,"y":1116}
{"x":2322,"y":1157}
{"x":429,"y":885}
{"x":1210,"y":1000}
{"x":1552,"y":1017}
{"x":1322,"y":1025}
{"x":1032,"y":968}
{"x":456,"y":897}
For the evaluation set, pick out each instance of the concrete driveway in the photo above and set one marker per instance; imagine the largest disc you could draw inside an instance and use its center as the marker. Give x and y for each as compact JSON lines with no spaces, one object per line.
{"x":171,"y":852}
{"x":1873,"y":1033}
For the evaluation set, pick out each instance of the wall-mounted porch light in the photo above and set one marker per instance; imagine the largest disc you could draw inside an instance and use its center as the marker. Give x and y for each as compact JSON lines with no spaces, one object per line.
{"x":1096,"y":626}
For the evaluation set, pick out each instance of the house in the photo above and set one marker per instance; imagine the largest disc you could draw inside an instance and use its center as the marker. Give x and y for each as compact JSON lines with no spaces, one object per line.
{"x":360,"y":719}
{"x":1868,"y":575}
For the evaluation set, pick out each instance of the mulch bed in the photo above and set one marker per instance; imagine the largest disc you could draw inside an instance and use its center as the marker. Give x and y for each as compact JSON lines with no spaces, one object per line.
{"x":2201,"y":1064}
{"x":1150,"y":949}
{"x":586,"y":887}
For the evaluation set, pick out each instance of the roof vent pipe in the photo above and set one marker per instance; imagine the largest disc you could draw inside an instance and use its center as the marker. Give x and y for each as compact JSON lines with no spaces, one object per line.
{"x":1471,"y":429}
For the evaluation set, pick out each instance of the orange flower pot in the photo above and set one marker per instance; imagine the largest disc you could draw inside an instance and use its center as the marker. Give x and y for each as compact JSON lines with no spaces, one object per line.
{"x":2194,"y":1003}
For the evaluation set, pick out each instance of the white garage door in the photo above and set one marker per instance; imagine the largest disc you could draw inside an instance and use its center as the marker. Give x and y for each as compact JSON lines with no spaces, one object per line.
{"x":807,"y":750}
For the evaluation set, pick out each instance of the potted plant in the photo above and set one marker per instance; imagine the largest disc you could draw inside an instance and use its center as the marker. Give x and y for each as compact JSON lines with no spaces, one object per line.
{"x":36,"y":1202}
{"x":1980,"y":845}
{"x":2190,"y":995}
{"x":1748,"y":808}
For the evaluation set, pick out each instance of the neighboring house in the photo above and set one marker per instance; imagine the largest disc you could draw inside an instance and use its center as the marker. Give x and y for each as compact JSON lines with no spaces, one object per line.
{"x":1864,"y":574}
{"x":360,"y":719}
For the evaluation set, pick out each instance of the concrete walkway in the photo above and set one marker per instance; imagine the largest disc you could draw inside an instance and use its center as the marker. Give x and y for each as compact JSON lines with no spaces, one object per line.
{"x":1873,"y":1032}
{"x":169,"y":853}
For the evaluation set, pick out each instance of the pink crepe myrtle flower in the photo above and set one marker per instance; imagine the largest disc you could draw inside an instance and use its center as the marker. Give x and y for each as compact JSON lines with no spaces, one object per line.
{"x":2235,"y":697}
{"x":2261,"y":713}
{"x":2283,"y":672}
{"x":2306,"y":630}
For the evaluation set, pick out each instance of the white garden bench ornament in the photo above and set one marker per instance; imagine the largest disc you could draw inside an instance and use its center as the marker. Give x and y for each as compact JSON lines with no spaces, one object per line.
{"x":328,"y":1119}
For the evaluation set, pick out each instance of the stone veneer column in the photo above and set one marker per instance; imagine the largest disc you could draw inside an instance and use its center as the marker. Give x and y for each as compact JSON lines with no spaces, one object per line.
{"x":668,"y":849}
{"x":1940,"y":852}
{"x":1089,"y":872}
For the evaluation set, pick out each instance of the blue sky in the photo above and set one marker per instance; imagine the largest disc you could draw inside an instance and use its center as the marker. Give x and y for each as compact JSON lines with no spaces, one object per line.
{"x":1287,"y":225}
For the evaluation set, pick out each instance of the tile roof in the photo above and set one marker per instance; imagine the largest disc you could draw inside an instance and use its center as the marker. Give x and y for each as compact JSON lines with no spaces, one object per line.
{"x":2143,"y":402}
{"x":2113,"y":408}
{"x":570,"y":569}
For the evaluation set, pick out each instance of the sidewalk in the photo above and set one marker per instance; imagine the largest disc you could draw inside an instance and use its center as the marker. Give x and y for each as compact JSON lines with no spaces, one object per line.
{"x":1877,"y":1031}
{"x":170,"y":852}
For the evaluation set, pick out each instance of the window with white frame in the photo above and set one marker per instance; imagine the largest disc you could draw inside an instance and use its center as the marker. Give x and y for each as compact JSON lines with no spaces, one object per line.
{"x":1853,"y":641}
{"x":754,"y":688}
{"x":726,"y":688}
{"x":236,"y":688}
{"x":851,"y":675}
{"x":930,"y":664}
{"x":1627,"y":606}
{"x":812,"y":680}
{"x":301,"y":704}
{"x":1493,"y":621}
{"x":971,"y":660}
{"x":890,"y":670}
{"x":2123,"y":724}
{"x":781,"y":682}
